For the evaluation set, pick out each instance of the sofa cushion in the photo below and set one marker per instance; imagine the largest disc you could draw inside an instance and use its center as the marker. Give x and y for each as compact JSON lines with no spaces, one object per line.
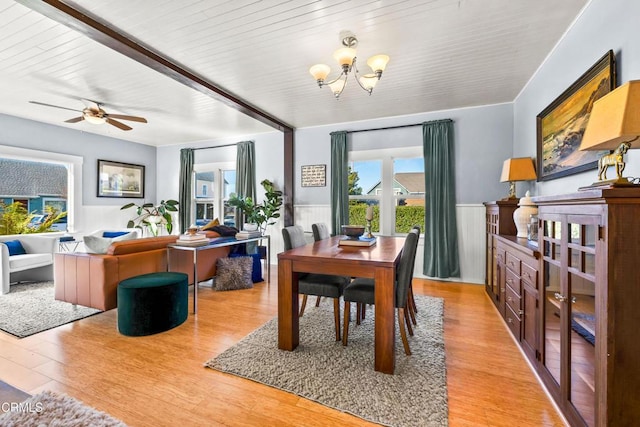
{"x":15,"y":247}
{"x":112,"y":234}
{"x":234,"y":273}
{"x":100,"y":245}
{"x":211,"y":224}
{"x":26,"y":261}
{"x":256,"y":271}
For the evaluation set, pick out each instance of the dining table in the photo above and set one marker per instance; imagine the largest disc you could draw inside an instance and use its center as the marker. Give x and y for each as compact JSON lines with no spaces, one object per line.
{"x":327,"y":256}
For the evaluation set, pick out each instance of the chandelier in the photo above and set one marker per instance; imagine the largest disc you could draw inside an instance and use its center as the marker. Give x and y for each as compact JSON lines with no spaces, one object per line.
{"x":346,"y":57}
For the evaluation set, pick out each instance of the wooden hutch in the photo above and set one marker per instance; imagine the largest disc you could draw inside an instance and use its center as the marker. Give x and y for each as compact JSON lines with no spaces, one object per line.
{"x":573,"y":302}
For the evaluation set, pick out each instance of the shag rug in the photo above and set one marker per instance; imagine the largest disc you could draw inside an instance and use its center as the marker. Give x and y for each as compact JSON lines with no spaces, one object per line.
{"x":30,"y":308}
{"x":56,"y":410}
{"x":322,"y":370}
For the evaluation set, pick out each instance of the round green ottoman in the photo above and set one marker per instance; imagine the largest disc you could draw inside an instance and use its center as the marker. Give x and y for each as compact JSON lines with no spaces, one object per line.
{"x":152,"y":303}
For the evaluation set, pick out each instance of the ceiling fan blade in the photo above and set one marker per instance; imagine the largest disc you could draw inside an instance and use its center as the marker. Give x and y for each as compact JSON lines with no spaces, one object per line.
{"x":75,"y":120}
{"x":118,"y":124}
{"x":124,"y":117}
{"x":55,"y":106}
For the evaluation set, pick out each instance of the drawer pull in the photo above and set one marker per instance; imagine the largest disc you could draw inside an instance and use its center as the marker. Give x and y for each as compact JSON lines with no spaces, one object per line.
{"x":509,"y":320}
{"x":509,"y":299}
{"x":520,"y":312}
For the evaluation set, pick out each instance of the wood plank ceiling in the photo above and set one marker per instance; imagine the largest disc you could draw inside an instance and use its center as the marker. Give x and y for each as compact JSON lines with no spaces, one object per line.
{"x":444,"y":54}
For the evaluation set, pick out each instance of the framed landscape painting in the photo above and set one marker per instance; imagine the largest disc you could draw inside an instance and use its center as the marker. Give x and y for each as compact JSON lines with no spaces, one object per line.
{"x":116,"y":179}
{"x":561,"y":125}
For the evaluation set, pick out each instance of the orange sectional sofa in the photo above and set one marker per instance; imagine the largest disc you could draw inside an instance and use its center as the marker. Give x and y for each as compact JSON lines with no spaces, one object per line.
{"x":92,"y":279}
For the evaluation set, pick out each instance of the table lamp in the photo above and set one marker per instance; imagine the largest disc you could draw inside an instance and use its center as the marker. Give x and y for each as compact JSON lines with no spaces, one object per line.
{"x":614,"y":124}
{"x":517,"y":169}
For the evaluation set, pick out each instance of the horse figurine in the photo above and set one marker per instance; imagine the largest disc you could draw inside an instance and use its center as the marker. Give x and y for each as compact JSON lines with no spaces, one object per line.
{"x":614,"y":159}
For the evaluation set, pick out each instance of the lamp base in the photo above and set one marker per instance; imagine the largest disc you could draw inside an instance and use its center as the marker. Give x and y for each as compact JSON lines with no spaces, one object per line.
{"x":609,"y":183}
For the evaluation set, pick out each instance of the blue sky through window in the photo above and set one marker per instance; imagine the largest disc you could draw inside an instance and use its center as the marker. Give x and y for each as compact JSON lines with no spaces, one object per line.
{"x":370,"y":171}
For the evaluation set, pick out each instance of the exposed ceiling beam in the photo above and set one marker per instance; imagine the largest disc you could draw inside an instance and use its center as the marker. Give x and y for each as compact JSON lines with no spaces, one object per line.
{"x":99,"y":31}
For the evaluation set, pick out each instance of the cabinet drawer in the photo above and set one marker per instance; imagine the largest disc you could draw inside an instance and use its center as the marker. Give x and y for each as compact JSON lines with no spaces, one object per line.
{"x":529,"y":275}
{"x":513,"y":281}
{"x":513,"y":263}
{"x":513,"y":300}
{"x":500,"y":254}
{"x":513,"y":322}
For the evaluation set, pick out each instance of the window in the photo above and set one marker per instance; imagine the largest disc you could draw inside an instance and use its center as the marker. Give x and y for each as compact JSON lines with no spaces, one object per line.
{"x":214,"y":183}
{"x":36,"y":185}
{"x":392,"y":180}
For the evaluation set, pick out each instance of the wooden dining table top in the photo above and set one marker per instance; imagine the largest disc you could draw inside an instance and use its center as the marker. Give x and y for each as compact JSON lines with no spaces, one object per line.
{"x":361,"y":258}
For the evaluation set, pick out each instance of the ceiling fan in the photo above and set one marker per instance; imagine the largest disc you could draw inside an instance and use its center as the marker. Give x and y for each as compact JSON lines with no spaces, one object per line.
{"x":95,"y":114}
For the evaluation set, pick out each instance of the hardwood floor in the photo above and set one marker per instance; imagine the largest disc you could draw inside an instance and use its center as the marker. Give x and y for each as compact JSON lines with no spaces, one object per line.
{"x":160,"y":380}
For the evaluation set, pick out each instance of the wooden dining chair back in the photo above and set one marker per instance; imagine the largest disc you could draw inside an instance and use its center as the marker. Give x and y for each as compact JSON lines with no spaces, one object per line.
{"x":362,"y":290}
{"x":320,"y":231}
{"x":323,"y":285}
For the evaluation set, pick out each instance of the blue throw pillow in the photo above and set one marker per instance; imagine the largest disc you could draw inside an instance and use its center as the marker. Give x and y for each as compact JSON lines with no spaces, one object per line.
{"x":112,"y":234}
{"x":15,"y":247}
{"x":256,"y":272}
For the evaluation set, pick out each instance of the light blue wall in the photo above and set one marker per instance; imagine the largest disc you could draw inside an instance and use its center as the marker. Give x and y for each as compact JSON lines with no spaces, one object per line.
{"x":483,"y":137}
{"x":604,"y":25}
{"x":23,"y":133}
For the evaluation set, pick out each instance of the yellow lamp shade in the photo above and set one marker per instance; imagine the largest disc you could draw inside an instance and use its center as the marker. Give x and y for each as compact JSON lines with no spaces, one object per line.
{"x":378,"y":62}
{"x":345,"y":55}
{"x":518,"y":169}
{"x":614,"y":119}
{"x":320,"y":71}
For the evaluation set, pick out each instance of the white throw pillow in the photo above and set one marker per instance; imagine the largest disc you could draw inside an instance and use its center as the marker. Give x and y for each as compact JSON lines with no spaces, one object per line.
{"x":99,"y":245}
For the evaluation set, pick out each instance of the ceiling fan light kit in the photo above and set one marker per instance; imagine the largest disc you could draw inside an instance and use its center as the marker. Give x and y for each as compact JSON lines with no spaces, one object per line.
{"x":346,"y":58}
{"x":96,"y":115}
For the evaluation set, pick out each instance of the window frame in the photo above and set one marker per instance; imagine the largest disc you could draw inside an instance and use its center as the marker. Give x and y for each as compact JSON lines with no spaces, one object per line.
{"x":218,"y":199}
{"x":387,"y":204}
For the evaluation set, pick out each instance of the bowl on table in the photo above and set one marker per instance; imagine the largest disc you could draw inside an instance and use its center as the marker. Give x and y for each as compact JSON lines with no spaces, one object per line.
{"x":353,"y":231}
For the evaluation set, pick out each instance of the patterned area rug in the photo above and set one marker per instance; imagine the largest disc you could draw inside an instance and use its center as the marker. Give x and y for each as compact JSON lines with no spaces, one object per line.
{"x":322,"y":370}
{"x":52,"y":409}
{"x":30,"y":308}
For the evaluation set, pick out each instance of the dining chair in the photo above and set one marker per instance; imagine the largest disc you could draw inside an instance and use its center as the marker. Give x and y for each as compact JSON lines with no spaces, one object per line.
{"x":320,"y":232}
{"x":412,"y":308}
{"x":324,"y":285}
{"x":362,"y":290}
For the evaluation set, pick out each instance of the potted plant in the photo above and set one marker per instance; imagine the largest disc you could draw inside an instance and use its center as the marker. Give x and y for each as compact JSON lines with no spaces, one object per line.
{"x":151,"y":217}
{"x":260,"y":214}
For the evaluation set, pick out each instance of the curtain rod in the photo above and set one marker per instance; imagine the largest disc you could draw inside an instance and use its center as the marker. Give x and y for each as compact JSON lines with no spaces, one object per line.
{"x":397,"y":127}
{"x":216,"y":146}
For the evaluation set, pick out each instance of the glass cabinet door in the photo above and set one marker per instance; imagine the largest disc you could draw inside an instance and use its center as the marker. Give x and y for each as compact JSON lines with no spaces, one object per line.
{"x":569,"y":323}
{"x":582,"y":316}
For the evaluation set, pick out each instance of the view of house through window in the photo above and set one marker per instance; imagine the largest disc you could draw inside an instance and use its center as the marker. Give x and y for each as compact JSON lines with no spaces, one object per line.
{"x":214,"y":184}
{"x":33,"y":196}
{"x":393,"y":185}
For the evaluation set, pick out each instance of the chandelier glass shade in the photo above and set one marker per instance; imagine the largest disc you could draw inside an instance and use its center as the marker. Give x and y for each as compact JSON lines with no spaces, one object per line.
{"x":346,"y":58}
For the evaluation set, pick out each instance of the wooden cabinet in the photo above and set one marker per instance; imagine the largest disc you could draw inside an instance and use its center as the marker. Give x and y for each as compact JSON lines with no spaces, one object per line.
{"x":518,"y":276}
{"x":499,"y":221}
{"x":590,"y":305}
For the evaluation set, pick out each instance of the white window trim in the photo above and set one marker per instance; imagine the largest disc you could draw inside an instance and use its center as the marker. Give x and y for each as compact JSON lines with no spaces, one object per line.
{"x":387,"y":156}
{"x":217,"y":168}
{"x":74,"y":176}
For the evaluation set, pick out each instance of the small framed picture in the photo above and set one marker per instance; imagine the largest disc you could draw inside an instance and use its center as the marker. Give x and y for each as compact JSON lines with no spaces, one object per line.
{"x":314,"y":176}
{"x":122,"y":180}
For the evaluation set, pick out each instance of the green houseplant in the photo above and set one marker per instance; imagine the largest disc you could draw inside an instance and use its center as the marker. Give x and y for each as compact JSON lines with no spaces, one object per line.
{"x":153,"y":217}
{"x":261,"y":214}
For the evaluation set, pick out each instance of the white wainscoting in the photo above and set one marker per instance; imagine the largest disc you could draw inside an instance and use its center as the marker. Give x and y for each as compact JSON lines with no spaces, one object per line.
{"x":471,"y":237}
